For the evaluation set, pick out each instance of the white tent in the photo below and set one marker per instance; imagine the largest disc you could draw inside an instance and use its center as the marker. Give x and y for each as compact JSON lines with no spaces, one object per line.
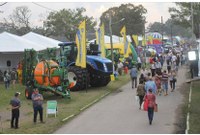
{"x":13,"y":43}
{"x":42,"y":40}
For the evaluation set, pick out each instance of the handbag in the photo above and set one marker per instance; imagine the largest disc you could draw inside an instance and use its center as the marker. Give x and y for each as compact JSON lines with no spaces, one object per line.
{"x":156,"y":108}
{"x":145,"y":105}
{"x":137,"y":98}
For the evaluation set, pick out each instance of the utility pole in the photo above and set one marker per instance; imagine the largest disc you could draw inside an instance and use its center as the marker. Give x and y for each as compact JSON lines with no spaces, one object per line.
{"x":162,"y":28}
{"x":171,"y":35}
{"x":192,"y":19}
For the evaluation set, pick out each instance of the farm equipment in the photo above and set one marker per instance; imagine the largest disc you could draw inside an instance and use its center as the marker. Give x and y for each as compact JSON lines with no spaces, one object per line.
{"x":97,"y":72}
{"x":40,"y":70}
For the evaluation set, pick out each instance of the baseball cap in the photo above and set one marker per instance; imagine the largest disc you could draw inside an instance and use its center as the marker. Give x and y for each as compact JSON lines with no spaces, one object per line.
{"x":17,"y":94}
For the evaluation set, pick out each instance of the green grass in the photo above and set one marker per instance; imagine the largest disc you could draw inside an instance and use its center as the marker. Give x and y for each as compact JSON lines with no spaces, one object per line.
{"x":195,"y":109}
{"x":66,"y":107}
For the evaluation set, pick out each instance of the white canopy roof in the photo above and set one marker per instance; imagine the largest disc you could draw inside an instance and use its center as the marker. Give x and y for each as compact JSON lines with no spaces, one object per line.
{"x":13,"y":43}
{"x":42,"y":40}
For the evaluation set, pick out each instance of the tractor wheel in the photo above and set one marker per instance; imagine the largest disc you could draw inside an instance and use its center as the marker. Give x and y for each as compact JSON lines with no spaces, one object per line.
{"x":77,"y":76}
{"x":28,"y":92}
{"x":99,"y":82}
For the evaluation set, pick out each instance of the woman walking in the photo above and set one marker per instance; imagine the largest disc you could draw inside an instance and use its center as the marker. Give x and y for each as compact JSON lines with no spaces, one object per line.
{"x":172,"y":80}
{"x":158,"y":83}
{"x":141,"y":92}
{"x":151,"y":99}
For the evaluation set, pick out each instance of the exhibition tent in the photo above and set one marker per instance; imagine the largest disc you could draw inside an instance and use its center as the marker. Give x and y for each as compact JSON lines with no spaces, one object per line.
{"x":42,"y":40}
{"x":13,"y":43}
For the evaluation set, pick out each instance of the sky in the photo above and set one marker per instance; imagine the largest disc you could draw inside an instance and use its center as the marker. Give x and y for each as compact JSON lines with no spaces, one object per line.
{"x":154,"y":9}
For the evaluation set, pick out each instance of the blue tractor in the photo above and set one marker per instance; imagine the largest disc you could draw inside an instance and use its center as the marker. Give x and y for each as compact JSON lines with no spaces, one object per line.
{"x":97,"y":72}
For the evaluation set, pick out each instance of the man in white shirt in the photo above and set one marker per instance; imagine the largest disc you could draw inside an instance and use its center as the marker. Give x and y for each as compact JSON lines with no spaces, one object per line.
{"x":139,"y":63}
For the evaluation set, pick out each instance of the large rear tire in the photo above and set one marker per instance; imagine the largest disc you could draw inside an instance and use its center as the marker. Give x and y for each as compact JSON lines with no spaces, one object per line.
{"x":79,"y":77}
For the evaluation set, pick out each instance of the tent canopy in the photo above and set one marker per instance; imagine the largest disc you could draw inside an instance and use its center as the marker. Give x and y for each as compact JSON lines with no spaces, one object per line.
{"x":42,"y":40}
{"x":13,"y":43}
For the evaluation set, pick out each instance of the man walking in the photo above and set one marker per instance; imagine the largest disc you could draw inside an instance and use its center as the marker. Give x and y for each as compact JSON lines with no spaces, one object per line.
{"x":15,"y":105}
{"x":37,"y":105}
{"x":133,"y":75}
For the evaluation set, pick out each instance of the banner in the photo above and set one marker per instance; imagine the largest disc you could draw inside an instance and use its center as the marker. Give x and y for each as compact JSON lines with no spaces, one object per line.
{"x":135,"y":38}
{"x":144,"y":41}
{"x":100,"y":40}
{"x":81,"y":45}
{"x":150,"y":39}
{"x":125,"y":40}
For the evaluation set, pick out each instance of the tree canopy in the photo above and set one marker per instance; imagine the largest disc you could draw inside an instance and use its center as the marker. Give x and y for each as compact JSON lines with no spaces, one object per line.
{"x":66,"y":21}
{"x":183,"y":15}
{"x":134,"y":19}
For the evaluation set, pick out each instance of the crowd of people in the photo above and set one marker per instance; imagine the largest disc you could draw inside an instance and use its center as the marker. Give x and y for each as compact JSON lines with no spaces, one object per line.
{"x":155,"y":80}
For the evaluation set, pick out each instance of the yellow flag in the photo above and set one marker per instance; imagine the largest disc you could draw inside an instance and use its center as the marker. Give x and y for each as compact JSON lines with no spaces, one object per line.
{"x":150,"y":38}
{"x":102,"y":43}
{"x":81,"y":45}
{"x":126,"y":43}
{"x":135,"y":38}
{"x":143,"y":41}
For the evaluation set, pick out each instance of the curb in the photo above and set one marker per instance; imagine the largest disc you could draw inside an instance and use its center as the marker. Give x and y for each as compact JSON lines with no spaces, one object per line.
{"x":188,"y":114}
{"x":88,"y":105}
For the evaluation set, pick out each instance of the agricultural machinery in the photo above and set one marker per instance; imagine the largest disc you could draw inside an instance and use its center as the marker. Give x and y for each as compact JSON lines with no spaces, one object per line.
{"x":40,"y":70}
{"x":97,"y":72}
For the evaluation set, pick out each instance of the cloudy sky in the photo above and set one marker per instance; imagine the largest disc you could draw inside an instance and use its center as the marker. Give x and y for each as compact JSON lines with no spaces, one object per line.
{"x":38,"y":14}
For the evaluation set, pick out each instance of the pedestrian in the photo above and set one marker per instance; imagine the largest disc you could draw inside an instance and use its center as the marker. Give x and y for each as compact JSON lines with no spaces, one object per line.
{"x":37,"y":99}
{"x":139,"y":63}
{"x":150,"y":84}
{"x":153,"y":69}
{"x":172,"y":80}
{"x":151,"y":98}
{"x":15,"y":105}
{"x":141,"y":92}
{"x":13,"y":76}
{"x":7,"y":79}
{"x":158,"y":83}
{"x":165,"y":82}
{"x":158,"y":67}
{"x":133,"y":75}
{"x":120,"y":67}
{"x":142,"y":78}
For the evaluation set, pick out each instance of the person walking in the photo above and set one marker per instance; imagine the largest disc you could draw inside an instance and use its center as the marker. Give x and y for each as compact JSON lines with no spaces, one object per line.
{"x":139,"y":63}
{"x":7,"y":79}
{"x":120,"y":67}
{"x":172,"y":80}
{"x":158,"y":83}
{"x":158,"y":67}
{"x":165,"y":82}
{"x":37,"y":105}
{"x":153,"y":69}
{"x":141,"y":92}
{"x":13,"y":76}
{"x":151,"y":99}
{"x":133,"y":75}
{"x":150,"y":84}
{"x":15,"y":105}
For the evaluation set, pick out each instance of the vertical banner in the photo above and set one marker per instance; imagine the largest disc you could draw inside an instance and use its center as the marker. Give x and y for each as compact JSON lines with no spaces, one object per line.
{"x":126,"y":43}
{"x":150,"y":39}
{"x":81,"y":45}
{"x":135,"y":38}
{"x":102,"y":41}
{"x":143,"y":41}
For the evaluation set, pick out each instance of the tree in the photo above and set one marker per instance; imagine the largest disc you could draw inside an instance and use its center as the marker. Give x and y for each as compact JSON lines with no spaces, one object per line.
{"x":19,"y":21}
{"x":134,"y":19}
{"x":66,"y":21}
{"x":183,"y":15}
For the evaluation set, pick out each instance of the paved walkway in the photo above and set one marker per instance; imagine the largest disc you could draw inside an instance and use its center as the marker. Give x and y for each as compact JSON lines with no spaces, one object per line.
{"x":118,"y":113}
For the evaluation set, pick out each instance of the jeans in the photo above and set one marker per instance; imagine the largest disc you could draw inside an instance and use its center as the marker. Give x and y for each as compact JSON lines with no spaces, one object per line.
{"x":165,"y":86}
{"x":150,"y":113}
{"x":36,"y":110}
{"x":172,"y":84}
{"x":141,"y":100}
{"x":15,"y":118}
{"x":134,"y":79}
{"x":7,"y":84}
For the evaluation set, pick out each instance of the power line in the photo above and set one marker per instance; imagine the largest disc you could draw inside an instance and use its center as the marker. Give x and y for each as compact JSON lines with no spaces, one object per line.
{"x":44,"y":7}
{"x":3,"y":3}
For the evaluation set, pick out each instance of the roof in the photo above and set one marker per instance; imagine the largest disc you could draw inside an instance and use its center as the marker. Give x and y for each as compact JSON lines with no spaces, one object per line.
{"x":43,"y":40}
{"x":13,"y":43}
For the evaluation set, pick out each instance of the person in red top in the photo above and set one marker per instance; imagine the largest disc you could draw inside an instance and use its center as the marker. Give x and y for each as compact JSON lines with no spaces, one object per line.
{"x":151,"y":103}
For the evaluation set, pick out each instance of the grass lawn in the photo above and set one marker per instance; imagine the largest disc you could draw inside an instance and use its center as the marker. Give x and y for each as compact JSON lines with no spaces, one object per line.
{"x":66,"y":107}
{"x":195,"y":109}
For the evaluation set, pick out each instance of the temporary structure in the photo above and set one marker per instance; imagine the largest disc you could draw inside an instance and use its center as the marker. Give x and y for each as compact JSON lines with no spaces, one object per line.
{"x":42,"y":40}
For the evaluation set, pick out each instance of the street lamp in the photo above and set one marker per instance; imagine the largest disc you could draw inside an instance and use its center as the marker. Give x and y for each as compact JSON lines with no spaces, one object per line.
{"x":111,"y":43}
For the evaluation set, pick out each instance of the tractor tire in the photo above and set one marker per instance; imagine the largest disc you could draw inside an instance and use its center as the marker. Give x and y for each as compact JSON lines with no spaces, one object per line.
{"x":28,"y":92}
{"x":99,"y":81}
{"x":79,"y":77}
